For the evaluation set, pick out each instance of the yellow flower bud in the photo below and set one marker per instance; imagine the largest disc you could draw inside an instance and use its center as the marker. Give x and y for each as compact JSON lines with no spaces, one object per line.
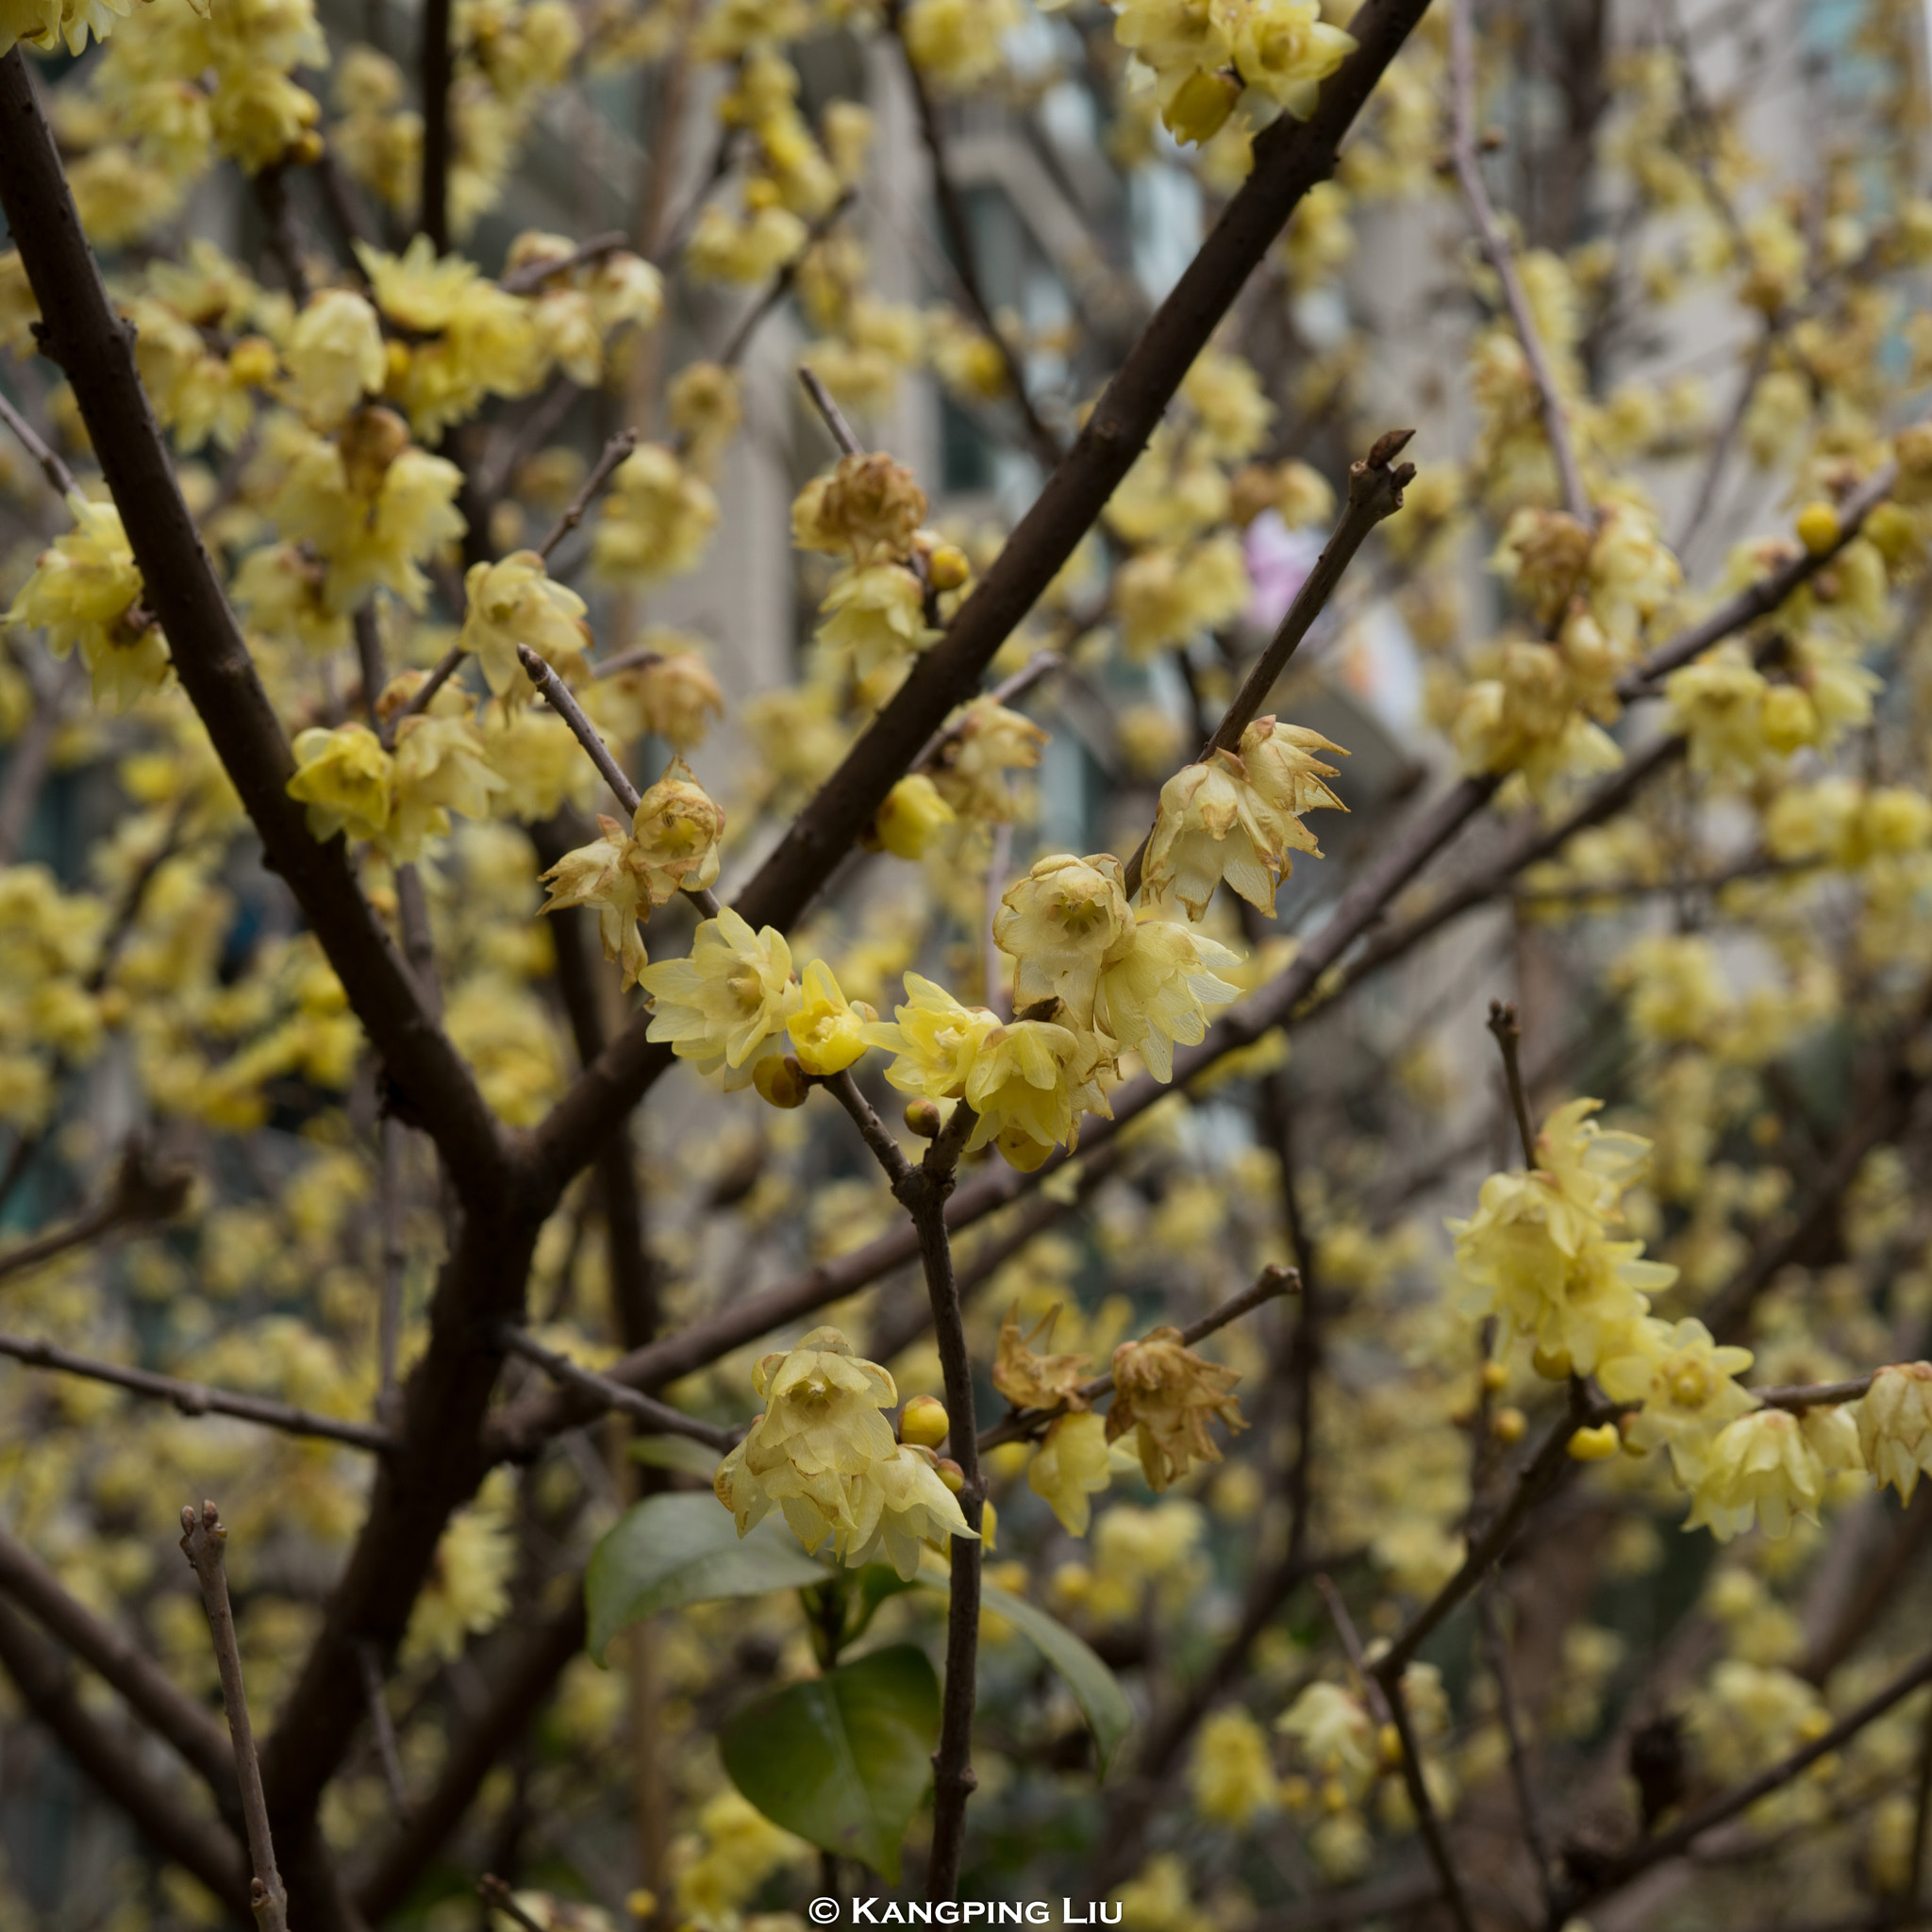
{"x":923,"y":1117}
{"x":253,"y":361}
{"x":1508,"y":1425}
{"x":1593,"y":1445}
{"x":1201,"y":105}
{"x":1786,"y":719}
{"x":912,"y":817}
{"x":1818,"y":528}
{"x":781,"y":1080}
{"x":951,"y":1473}
{"x":1494,"y":1377}
{"x":924,"y":1422}
{"x":1389,"y":1746}
{"x":395,"y":356}
{"x":947,"y":568}
{"x":1552,"y":1364}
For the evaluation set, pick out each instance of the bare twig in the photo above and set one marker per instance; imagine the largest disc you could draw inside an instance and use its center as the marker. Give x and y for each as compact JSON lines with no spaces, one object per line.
{"x":1375,"y":491}
{"x":203,"y":1542}
{"x":615,"y":450}
{"x":1496,"y":1656}
{"x":139,"y":1194}
{"x":658,"y":1418}
{"x":436,"y":60}
{"x":499,"y":1897}
{"x":1042,"y":664}
{"x":1384,"y":1693}
{"x":60,"y":478}
{"x":445,"y":668}
{"x":842,"y":432}
{"x":383,"y":1726}
{"x":884,"y":1149}
{"x":779,"y":286}
{"x":1272,"y":1283}
{"x":197,"y":1398}
{"x":389,"y":1316}
{"x":1501,"y":261}
{"x":1507,"y":1030}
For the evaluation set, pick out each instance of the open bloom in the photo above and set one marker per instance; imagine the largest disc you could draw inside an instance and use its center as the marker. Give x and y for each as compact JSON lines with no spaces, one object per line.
{"x":1684,"y":1381}
{"x":1030,"y":1380}
{"x":346,"y":781}
{"x":1770,"y":1467}
{"x":1214,"y":825}
{"x":1159,"y":991}
{"x":1064,"y":922}
{"x":1895,"y":1424}
{"x":878,"y":613}
{"x":1029,"y":1082}
{"x":828,"y":1031}
{"x":724,"y":1006}
{"x":515,"y":602}
{"x":934,"y":1038}
{"x":600,"y":876}
{"x":1070,"y":1468}
{"x":1166,"y":1394}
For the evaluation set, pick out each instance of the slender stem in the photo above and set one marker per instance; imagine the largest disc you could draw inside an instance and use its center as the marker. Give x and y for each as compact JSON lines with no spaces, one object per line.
{"x":619,"y":446}
{"x":842,"y":432}
{"x":1507,"y":1030}
{"x":1272,"y":1283}
{"x":779,"y":286}
{"x":56,"y":473}
{"x":498,"y":1896}
{"x":659,"y":1418}
{"x":203,"y":1542}
{"x":446,"y":667}
{"x":533,"y":275}
{"x":382,"y":1725}
{"x":1042,"y":664}
{"x":369,"y":663}
{"x":885,"y":1150}
{"x":1375,"y":491}
{"x":1496,"y":1656}
{"x":197,"y":1398}
{"x":1502,"y":259}
{"x":140,"y":1193}
{"x":285,"y":242}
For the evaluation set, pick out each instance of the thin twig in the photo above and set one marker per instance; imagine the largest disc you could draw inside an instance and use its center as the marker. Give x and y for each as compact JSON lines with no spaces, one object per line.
{"x":1375,"y":491}
{"x":1272,"y":1283}
{"x":659,"y":1418}
{"x":779,"y":286}
{"x":842,"y":432}
{"x":203,"y":1542}
{"x":619,"y":446}
{"x":498,"y":1896}
{"x":383,"y":1726}
{"x":1507,"y":1030}
{"x":1009,"y":690}
{"x":885,"y":1150}
{"x":139,"y":1194}
{"x":56,"y":473}
{"x":436,"y":61}
{"x":197,"y":1398}
{"x":533,"y":275}
{"x":1385,"y":1694}
{"x":1502,"y":259}
{"x":446,"y":667}
{"x":1496,"y":1656}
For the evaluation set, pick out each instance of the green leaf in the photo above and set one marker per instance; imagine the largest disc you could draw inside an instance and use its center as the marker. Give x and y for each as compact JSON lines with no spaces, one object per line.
{"x":684,"y":1549}
{"x":674,"y":1452}
{"x":1096,"y":1687}
{"x":844,"y":1760}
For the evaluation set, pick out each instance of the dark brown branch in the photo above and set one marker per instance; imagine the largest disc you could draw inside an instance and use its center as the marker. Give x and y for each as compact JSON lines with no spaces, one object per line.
{"x":60,"y":478}
{"x":436,"y":63}
{"x":614,"y":453}
{"x":1501,"y":261}
{"x":658,"y":1418}
{"x":197,"y":1398}
{"x":383,"y":1726}
{"x":498,"y":1898}
{"x":174,"y":1828}
{"x":1522,"y":1774}
{"x":149,"y":1691}
{"x":833,"y":417}
{"x":1507,"y":1031}
{"x":1375,"y":491}
{"x":203,"y":1542}
{"x":83,"y":334}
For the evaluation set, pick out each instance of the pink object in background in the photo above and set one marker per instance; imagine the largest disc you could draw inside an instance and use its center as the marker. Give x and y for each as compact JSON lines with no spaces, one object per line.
{"x":1279,"y":560}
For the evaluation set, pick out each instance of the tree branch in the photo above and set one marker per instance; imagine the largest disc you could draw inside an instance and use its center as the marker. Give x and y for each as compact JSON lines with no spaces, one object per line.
{"x":436,"y":63}
{"x":139,"y":1193}
{"x":658,"y":1418}
{"x":60,"y":478}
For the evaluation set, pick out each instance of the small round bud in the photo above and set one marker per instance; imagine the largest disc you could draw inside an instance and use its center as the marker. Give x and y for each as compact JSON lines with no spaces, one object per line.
{"x":1297,"y":1793}
{"x":1594,"y":1445}
{"x":1494,"y":1377}
{"x":924,"y":1422}
{"x":781,"y":1080}
{"x":1552,"y":1364}
{"x":951,"y":1473}
{"x":925,"y":1119}
{"x":1818,"y":528}
{"x":1389,"y":1747}
{"x":947,"y":568}
{"x":1334,"y":1795}
{"x":1786,"y":719}
{"x":761,"y":191}
{"x":253,"y":361}
{"x":1508,"y":1425}
{"x":396,"y":358}
{"x":112,"y":1005}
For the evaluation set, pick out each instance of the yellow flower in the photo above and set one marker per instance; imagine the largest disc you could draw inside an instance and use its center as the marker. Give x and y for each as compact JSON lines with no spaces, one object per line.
{"x":1166,"y":1394}
{"x":656,"y":521}
{"x":934,"y":1038}
{"x":335,"y":357}
{"x":1231,"y":1774}
{"x":346,"y":781}
{"x":825,"y":1454}
{"x":1029,"y":1081}
{"x":1763,"y":1468}
{"x":1071,"y":1466}
{"x":441,"y":766}
{"x":957,"y":42}
{"x":869,"y":505}
{"x":1684,"y":1381}
{"x":828,"y":1031}
{"x":1335,"y":1733}
{"x":987,"y":742}
{"x":1159,"y":991}
{"x":1064,"y":922}
{"x":675,"y":830}
{"x":516,"y":602}
{"x":1895,"y":1424}
{"x":877,"y":612}
{"x":912,"y":817}
{"x":724,"y":1004}
{"x":1283,"y":48}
